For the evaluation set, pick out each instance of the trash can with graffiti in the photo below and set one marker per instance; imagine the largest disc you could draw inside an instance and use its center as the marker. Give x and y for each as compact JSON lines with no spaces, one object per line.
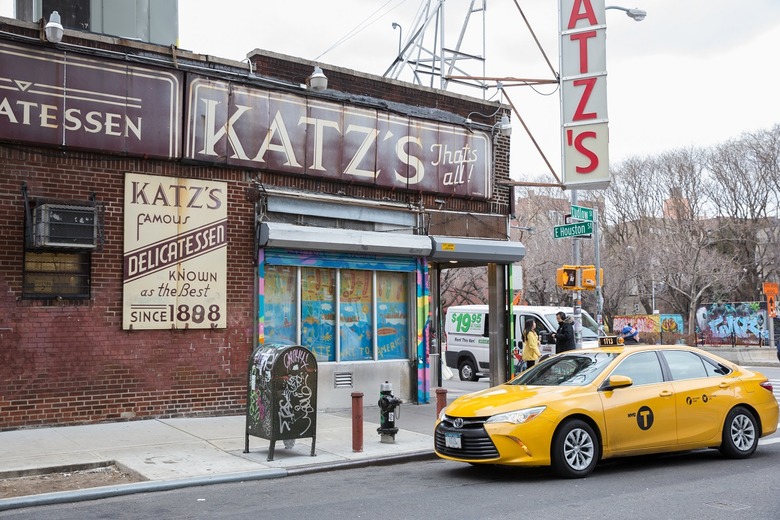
{"x":281,"y":402}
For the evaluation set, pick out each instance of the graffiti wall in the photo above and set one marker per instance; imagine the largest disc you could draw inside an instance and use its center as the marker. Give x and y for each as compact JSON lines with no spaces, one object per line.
{"x":732,"y":323}
{"x":650,"y":323}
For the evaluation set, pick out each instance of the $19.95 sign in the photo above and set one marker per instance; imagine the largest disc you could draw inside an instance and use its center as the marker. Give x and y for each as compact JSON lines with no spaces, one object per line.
{"x":175,"y":253}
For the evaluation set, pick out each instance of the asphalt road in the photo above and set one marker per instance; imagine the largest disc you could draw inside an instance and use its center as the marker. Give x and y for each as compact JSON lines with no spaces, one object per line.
{"x":691,"y":486}
{"x":697,"y":485}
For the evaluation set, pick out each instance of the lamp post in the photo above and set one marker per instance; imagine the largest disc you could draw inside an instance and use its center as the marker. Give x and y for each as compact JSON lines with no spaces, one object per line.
{"x":637,"y":15}
{"x":397,"y":25}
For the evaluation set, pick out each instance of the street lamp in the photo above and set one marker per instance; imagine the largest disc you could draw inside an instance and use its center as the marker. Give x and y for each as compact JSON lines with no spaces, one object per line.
{"x":635,"y":13}
{"x":638,"y":15}
{"x":397,"y":25}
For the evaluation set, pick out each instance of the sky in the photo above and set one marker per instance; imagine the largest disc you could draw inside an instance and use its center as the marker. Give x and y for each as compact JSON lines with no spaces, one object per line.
{"x":692,"y":73}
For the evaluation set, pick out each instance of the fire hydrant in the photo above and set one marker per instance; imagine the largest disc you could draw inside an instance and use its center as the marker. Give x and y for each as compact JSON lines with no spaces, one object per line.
{"x":387,"y":413}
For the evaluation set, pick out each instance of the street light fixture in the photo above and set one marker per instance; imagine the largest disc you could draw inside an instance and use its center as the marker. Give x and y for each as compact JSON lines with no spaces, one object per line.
{"x":54,"y":29}
{"x":636,"y":14}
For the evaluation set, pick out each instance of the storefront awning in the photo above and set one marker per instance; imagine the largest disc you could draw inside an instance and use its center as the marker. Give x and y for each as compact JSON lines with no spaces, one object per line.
{"x":475,"y":251}
{"x":289,"y":236}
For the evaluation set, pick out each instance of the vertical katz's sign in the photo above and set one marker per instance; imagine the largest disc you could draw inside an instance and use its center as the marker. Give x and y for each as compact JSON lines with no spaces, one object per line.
{"x":584,"y":122}
{"x":260,"y":129}
{"x":175,"y":259}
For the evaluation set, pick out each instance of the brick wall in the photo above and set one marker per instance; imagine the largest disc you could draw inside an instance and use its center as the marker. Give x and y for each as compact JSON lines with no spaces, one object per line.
{"x":66,"y":362}
{"x":71,"y":362}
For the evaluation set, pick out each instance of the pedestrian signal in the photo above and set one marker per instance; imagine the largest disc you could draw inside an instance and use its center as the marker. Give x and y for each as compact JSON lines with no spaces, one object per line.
{"x":589,"y":277}
{"x":567,"y":277}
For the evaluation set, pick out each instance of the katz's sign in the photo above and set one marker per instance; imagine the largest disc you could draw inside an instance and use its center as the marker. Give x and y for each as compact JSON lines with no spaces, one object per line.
{"x":62,"y":99}
{"x":584,"y":123}
{"x":286,"y":133}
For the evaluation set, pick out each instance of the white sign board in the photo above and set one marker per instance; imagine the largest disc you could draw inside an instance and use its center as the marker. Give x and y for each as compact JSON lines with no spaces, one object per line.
{"x":175,"y":253}
{"x":584,"y":122}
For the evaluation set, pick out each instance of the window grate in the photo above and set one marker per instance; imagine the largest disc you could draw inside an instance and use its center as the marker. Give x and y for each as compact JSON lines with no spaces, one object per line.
{"x":49,"y":275}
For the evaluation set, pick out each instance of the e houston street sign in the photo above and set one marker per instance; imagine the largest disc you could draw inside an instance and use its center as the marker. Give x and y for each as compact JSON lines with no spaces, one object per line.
{"x":573,"y":230}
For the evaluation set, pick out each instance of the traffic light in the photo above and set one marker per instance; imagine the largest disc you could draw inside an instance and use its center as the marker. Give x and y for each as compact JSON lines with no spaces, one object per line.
{"x":567,"y":277}
{"x":589,"y":277}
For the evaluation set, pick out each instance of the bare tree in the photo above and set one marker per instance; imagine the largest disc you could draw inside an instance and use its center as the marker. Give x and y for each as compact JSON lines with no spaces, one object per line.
{"x":463,"y":285}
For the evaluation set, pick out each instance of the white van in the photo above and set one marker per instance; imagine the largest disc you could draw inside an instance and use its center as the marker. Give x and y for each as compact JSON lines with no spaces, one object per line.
{"x":466,"y":343}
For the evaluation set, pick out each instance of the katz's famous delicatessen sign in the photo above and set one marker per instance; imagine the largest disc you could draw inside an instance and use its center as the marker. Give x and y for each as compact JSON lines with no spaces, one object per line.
{"x":175,"y":253}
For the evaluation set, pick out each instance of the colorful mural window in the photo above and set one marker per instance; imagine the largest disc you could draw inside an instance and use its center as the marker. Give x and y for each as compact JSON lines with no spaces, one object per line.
{"x":355,"y":308}
{"x":352,"y":308}
{"x":281,"y":304}
{"x":318,"y":312}
{"x":392,"y":311}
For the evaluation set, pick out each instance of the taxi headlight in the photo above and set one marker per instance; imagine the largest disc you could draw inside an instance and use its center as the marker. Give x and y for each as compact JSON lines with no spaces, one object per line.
{"x":442,"y":414}
{"x":518,"y":416}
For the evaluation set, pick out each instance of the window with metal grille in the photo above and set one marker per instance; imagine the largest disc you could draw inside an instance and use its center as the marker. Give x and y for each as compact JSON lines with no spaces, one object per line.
{"x":56,"y":275}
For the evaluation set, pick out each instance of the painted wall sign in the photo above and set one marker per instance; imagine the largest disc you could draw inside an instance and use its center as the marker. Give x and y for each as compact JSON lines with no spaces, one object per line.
{"x":261,"y":129}
{"x":584,"y":123}
{"x":175,"y":253}
{"x":63,"y":99}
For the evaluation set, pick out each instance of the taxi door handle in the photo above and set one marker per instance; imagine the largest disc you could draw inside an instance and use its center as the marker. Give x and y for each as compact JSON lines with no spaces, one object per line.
{"x":666,"y":393}
{"x":724,"y":384}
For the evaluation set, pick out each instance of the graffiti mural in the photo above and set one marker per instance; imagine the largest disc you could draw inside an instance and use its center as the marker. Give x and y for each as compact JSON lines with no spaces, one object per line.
{"x":732,"y":323}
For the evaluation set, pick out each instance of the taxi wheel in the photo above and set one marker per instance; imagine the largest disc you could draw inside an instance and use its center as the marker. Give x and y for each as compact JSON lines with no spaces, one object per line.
{"x":740,"y":434}
{"x":575,"y":450}
{"x":467,"y":371}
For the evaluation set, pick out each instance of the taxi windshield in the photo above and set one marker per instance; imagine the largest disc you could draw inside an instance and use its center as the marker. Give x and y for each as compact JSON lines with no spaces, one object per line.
{"x":571,"y":369}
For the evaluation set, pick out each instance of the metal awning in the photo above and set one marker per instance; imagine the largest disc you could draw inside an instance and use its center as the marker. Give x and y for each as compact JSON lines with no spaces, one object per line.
{"x":475,"y":251}
{"x":310,"y":238}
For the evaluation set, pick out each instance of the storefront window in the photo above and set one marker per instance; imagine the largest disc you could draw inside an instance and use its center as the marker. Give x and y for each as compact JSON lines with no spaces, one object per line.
{"x":392,"y":315}
{"x":281,"y":307}
{"x":355,"y":309}
{"x":342,"y":308}
{"x":318,"y":312}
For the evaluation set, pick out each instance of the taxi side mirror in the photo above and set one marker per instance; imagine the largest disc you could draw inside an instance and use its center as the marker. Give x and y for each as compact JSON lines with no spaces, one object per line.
{"x":617,"y":381}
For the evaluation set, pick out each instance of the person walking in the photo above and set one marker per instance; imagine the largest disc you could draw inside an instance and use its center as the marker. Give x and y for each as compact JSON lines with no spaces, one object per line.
{"x":564,"y":336}
{"x":531,"y":352}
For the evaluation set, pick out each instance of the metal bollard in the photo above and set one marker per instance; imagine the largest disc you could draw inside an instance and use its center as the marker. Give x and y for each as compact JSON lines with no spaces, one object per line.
{"x":441,"y":400}
{"x":357,"y":422}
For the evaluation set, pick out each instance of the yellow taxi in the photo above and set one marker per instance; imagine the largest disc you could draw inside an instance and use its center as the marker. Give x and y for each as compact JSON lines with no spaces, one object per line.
{"x":578,"y":407}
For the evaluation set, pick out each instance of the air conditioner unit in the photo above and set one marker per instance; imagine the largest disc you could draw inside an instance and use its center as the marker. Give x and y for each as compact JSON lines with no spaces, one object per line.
{"x":60,"y":225}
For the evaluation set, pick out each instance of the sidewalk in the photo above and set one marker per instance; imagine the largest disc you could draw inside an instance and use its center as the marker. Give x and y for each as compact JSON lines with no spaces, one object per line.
{"x":175,"y":453}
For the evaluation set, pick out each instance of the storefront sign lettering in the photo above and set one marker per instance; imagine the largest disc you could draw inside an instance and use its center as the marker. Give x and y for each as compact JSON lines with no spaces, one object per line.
{"x":175,"y":260}
{"x":584,"y":122}
{"x":63,"y":99}
{"x":259,"y":129}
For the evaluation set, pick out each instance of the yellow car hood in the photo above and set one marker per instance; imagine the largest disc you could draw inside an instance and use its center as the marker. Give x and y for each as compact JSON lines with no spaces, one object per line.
{"x":507,"y":398}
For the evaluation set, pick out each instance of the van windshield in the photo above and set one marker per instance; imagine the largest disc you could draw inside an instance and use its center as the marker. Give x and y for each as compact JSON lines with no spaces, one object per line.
{"x":589,"y":327}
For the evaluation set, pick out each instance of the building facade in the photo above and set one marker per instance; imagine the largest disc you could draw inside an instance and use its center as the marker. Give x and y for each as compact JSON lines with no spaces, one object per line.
{"x":163,"y":213}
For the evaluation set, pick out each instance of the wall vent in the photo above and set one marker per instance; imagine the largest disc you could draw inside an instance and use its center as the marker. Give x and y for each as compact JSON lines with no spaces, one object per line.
{"x":342,"y":380}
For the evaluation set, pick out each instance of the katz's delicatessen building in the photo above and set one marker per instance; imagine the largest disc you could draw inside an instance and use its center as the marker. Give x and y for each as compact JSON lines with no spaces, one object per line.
{"x":164,"y":213}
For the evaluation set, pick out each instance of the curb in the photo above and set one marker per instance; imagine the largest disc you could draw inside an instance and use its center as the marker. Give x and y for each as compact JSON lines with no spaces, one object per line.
{"x":65,"y":497}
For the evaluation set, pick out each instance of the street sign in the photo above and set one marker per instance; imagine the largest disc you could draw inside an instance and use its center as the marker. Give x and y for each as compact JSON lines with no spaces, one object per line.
{"x":577,"y":229}
{"x":580,"y":213}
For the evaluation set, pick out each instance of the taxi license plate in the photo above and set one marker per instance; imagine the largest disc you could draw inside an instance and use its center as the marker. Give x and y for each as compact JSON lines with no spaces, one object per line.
{"x":452,"y":440}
